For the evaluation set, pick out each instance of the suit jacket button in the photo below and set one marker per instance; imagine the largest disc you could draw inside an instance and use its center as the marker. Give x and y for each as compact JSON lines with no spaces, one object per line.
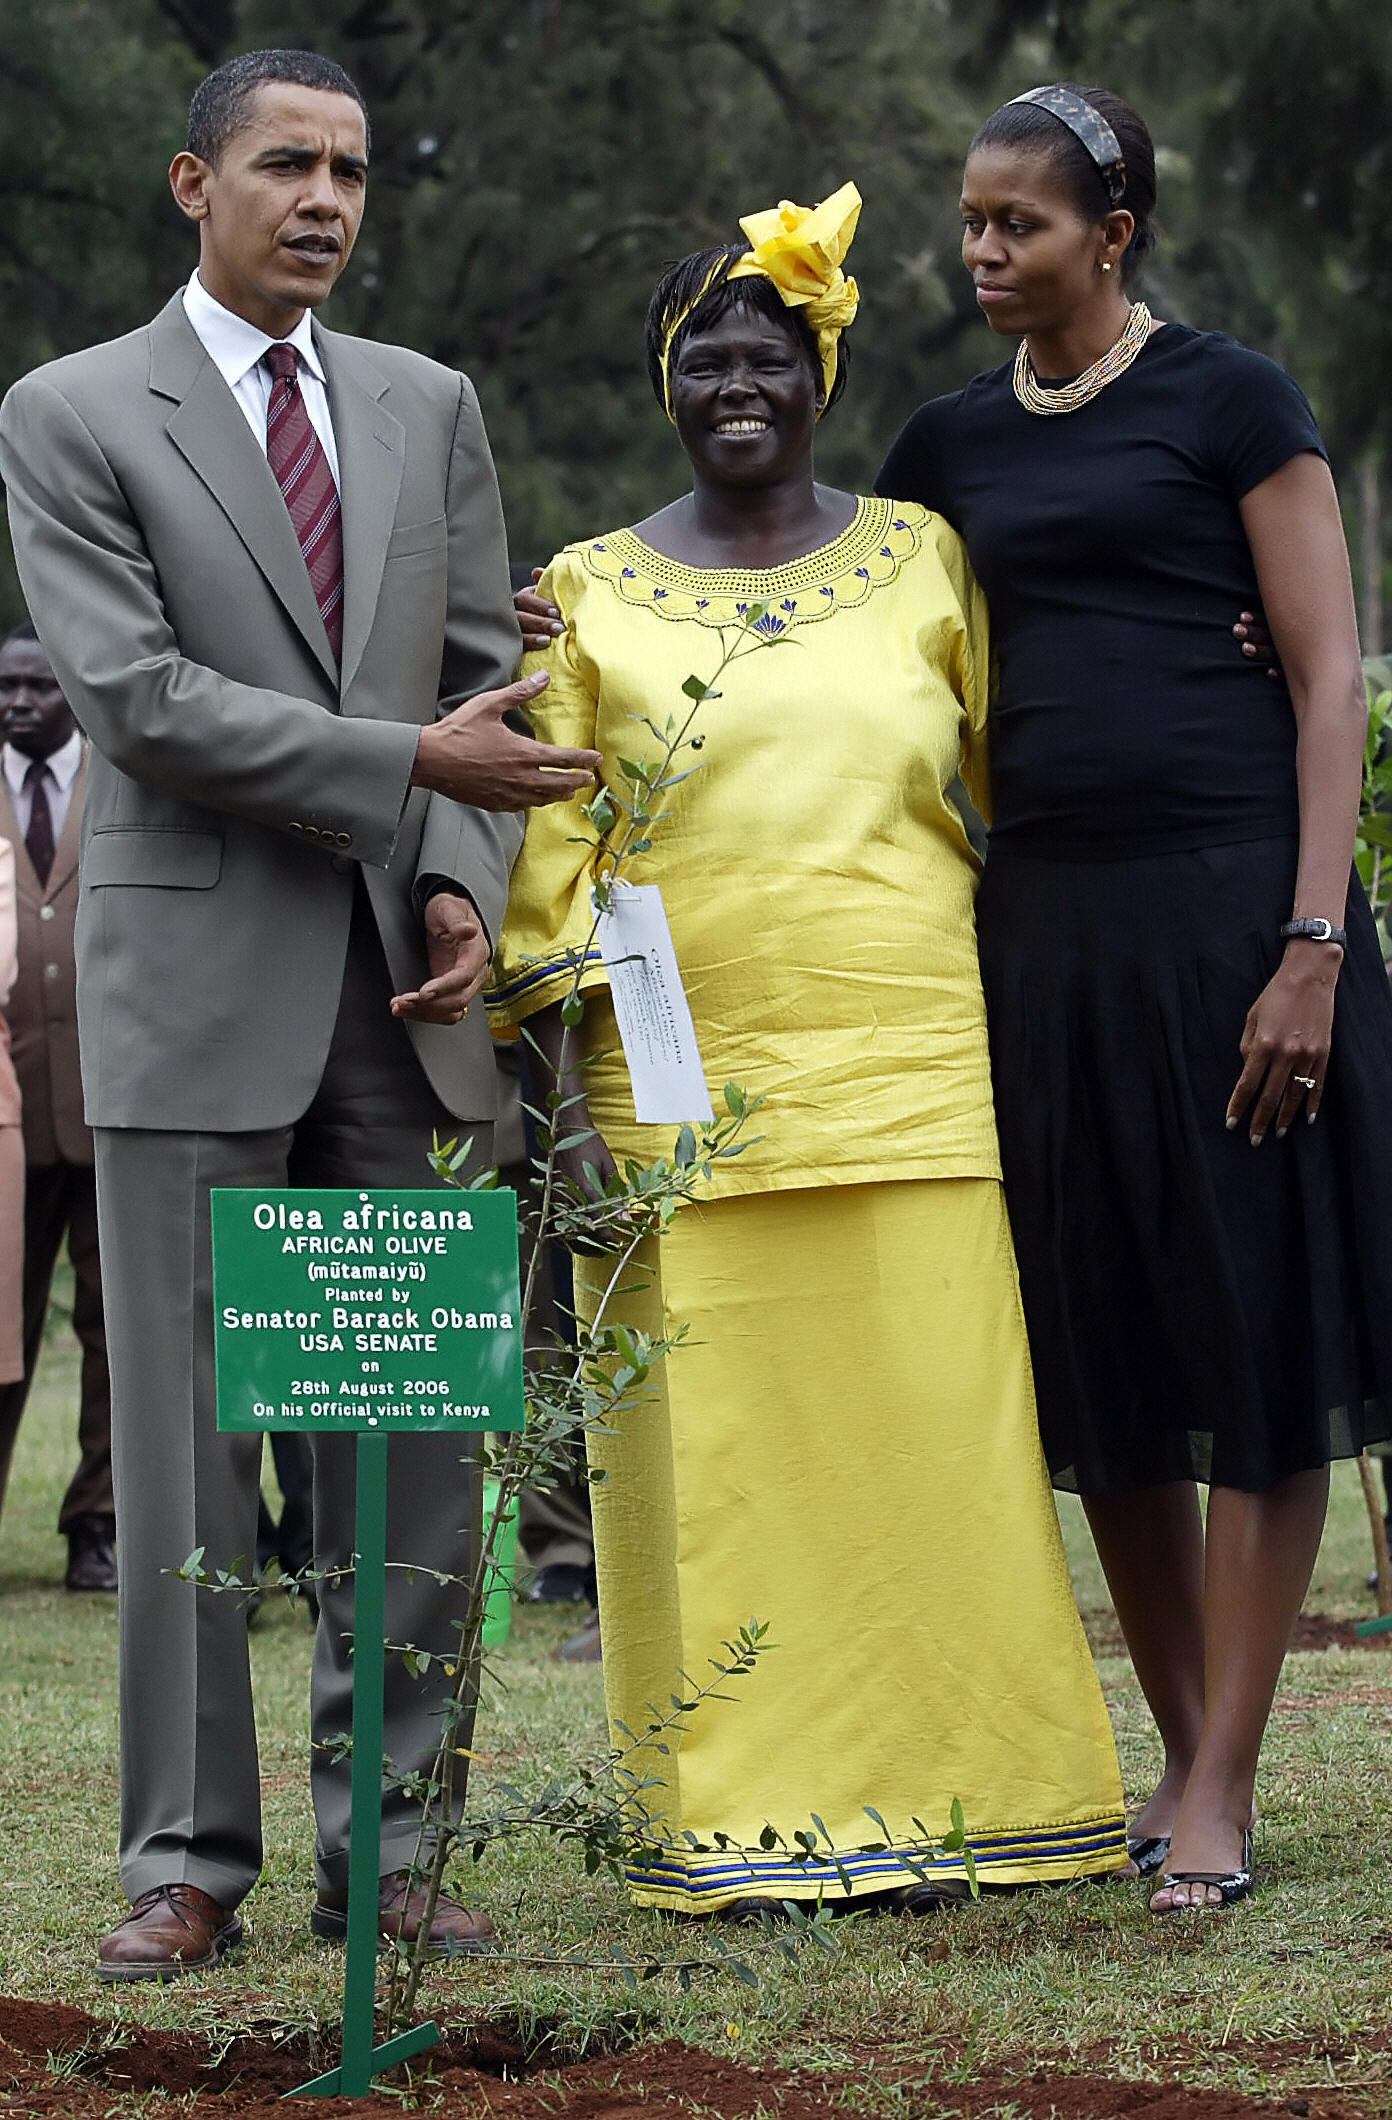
{"x":342,"y":865}
{"x":311,"y":831}
{"x":45,"y":912}
{"x":344,"y":839}
{"x":295,"y":825}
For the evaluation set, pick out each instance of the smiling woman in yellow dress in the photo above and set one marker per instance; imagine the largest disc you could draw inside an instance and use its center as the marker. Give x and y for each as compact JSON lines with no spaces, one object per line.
{"x":856,"y":1354}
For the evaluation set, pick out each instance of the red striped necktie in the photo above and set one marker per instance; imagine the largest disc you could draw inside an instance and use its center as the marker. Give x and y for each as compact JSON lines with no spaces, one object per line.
{"x":296,"y":456}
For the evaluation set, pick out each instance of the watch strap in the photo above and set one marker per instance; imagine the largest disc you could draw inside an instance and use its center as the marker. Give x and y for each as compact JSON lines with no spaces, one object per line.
{"x":1313,"y":930}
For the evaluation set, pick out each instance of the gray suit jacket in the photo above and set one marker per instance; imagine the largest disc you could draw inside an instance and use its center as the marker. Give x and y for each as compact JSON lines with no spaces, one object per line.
{"x":235,"y":783}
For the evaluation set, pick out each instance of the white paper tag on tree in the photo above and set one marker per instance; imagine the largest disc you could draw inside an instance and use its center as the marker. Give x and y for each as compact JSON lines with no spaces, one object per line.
{"x":650,"y":1008}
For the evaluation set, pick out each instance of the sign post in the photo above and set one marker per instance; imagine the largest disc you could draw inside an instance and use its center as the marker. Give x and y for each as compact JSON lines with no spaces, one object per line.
{"x":365,"y":1313}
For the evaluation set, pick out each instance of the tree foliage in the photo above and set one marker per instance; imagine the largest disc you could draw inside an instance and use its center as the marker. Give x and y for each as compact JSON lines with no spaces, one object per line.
{"x":536,"y":162}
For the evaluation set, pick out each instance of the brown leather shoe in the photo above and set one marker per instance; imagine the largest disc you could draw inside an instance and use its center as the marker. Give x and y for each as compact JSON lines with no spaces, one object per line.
{"x":455,"y":1930}
{"x":172,"y":1930}
{"x":586,"y":1647}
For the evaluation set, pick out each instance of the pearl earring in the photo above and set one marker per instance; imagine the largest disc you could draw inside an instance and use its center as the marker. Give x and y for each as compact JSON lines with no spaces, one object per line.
{"x":1106,"y":265}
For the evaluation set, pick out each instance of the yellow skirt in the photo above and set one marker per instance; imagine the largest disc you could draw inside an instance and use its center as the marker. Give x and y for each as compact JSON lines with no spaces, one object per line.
{"x":845,"y":1448}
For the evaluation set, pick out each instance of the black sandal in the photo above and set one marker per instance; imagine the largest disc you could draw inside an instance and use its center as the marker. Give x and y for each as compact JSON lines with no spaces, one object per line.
{"x":931,"y":1898}
{"x":756,"y":1907}
{"x":1148,"y":1854}
{"x":1230,"y":1885}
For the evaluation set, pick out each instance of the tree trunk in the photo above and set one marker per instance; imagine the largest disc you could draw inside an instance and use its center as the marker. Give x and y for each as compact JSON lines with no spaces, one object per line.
{"x":1379,"y":1530}
{"x":1370,"y":553}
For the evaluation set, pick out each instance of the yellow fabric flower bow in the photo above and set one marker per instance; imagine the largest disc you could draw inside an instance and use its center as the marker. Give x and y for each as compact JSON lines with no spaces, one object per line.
{"x":800,"y":249}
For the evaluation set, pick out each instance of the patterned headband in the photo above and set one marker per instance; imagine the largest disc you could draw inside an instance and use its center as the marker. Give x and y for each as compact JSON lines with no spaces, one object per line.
{"x":1089,"y":126}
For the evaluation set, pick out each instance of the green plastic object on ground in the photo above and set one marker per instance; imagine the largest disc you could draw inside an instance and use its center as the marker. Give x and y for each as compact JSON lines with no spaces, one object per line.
{"x":502,"y":1580}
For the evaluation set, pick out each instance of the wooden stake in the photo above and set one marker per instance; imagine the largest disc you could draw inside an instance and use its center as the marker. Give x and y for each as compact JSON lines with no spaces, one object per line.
{"x":1378,"y":1525}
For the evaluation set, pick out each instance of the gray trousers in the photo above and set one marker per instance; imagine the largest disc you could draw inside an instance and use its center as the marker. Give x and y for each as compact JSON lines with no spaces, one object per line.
{"x":190,"y":1784}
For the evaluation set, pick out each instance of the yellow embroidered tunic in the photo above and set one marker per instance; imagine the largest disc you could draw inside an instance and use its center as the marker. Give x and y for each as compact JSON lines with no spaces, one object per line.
{"x":816,"y":876}
{"x":819,"y":887}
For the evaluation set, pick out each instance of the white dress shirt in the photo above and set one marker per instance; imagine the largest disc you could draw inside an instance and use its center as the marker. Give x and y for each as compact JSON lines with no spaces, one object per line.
{"x":62,"y":767}
{"x":236,"y":348}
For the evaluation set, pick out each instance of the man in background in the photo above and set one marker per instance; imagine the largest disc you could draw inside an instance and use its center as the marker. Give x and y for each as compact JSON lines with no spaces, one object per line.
{"x":41,"y":775}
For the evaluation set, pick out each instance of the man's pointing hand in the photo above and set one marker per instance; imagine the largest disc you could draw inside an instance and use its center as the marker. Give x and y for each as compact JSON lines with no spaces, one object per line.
{"x":472,"y":755}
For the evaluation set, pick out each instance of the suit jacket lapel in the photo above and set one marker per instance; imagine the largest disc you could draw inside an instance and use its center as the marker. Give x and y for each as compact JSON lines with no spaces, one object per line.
{"x":371,"y":458}
{"x":27,"y":886}
{"x":65,"y":854}
{"x":208,"y":428}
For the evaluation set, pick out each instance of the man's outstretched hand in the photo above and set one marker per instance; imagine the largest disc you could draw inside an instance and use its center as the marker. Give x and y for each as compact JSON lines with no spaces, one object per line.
{"x":458,"y":954}
{"x":472,"y":755}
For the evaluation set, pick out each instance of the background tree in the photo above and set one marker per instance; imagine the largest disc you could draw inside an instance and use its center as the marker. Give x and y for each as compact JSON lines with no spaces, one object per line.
{"x":536,"y":162}
{"x":1275,"y":165}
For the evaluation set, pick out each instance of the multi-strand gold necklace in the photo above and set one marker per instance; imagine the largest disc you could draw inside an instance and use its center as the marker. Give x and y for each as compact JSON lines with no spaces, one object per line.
{"x":1114,"y":362}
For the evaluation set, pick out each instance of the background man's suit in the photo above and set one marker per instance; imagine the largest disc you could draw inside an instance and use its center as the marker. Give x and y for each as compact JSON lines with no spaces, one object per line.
{"x":11,"y":1144}
{"x":60,"y":1197}
{"x":253,"y":870}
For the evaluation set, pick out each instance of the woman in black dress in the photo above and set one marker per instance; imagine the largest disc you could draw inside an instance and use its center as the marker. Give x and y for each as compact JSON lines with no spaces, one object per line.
{"x":1191,"y":1034}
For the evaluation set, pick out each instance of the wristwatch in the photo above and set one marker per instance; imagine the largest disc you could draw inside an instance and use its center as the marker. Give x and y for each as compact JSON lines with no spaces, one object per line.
{"x":1313,"y":931}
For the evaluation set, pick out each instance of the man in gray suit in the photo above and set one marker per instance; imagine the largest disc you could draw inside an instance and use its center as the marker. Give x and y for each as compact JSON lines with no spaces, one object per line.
{"x":268,"y":565}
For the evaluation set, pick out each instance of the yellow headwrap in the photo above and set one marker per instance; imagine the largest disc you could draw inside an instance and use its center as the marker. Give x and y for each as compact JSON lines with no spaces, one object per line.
{"x":800,"y":249}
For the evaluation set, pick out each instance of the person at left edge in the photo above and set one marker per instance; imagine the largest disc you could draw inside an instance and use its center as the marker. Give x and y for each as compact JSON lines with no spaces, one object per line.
{"x":41,"y":785}
{"x":268,"y":564}
{"x":11,"y":1143}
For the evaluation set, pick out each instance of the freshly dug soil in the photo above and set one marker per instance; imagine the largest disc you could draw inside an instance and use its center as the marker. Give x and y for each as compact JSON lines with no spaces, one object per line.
{"x":1316,"y":1630}
{"x":57,"y":2062}
{"x":1312,"y":1630}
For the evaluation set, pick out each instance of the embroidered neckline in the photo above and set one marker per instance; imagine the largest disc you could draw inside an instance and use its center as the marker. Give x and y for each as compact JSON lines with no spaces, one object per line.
{"x":864,"y":556}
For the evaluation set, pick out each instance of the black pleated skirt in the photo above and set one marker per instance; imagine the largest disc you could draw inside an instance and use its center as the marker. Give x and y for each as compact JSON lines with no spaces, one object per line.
{"x":1197,"y":1308}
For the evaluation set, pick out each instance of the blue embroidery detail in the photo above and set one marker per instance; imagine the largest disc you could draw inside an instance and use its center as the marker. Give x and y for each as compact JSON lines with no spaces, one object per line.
{"x":769,"y":624}
{"x":531,"y":975}
{"x":863,"y":573}
{"x":705,"y":1873}
{"x":659,"y":592}
{"x":629,"y":574}
{"x":790,"y":603}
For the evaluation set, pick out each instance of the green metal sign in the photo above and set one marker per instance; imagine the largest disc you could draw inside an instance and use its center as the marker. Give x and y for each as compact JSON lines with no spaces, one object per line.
{"x":366,"y":1312}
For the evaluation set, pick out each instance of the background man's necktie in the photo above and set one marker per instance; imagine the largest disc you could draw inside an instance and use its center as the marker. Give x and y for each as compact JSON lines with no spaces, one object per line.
{"x":39,"y":837}
{"x":296,"y":456}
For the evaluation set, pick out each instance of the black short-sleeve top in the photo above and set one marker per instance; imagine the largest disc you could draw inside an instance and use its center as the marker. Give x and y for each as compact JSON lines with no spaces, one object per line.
{"x":1114,"y":560}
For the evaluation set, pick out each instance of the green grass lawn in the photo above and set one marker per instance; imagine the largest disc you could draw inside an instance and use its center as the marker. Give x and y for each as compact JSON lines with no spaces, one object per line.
{"x":1288,"y":1993}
